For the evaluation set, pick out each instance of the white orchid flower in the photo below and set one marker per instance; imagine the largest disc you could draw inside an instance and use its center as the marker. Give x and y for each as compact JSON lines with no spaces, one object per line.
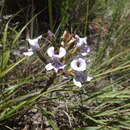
{"x":80,"y":40}
{"x":78,"y":64}
{"x":34,"y":46}
{"x":34,"y":43}
{"x":82,"y":45}
{"x":55,"y":63}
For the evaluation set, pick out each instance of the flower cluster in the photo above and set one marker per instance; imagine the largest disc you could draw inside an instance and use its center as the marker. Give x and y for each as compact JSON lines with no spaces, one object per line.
{"x":59,"y":58}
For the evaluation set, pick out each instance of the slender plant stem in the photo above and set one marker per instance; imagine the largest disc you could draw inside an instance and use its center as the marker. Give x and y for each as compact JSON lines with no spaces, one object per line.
{"x":50,"y":14}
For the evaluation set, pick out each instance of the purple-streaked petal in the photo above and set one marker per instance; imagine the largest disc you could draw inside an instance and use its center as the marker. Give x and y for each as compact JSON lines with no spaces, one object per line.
{"x":57,"y":64}
{"x":85,"y":52}
{"x":81,"y":77}
{"x":85,"y":49}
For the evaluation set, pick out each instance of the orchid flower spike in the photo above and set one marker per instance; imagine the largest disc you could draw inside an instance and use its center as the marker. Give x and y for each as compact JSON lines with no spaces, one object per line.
{"x":80,"y":41}
{"x":34,"y":46}
{"x":55,"y":63}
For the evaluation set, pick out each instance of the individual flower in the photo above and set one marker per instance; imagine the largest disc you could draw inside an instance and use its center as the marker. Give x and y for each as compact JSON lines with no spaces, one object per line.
{"x":82,"y":45}
{"x":80,"y":41}
{"x":55,"y":63}
{"x":34,"y":46}
{"x":79,"y":65}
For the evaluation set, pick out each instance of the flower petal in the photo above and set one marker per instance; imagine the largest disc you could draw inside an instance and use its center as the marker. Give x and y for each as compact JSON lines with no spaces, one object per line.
{"x":76,"y":36}
{"x":89,"y":78}
{"x":28,"y":53}
{"x":56,"y":70}
{"x":84,"y":54}
{"x":39,"y":37}
{"x":77,"y":83}
{"x":78,"y":64}
{"x":62,"y":52}
{"x":50,"y":51}
{"x":49,"y":67}
{"x":62,"y":67}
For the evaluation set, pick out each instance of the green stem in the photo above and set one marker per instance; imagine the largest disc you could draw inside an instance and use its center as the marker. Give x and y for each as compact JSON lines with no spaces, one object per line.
{"x":50,"y":14}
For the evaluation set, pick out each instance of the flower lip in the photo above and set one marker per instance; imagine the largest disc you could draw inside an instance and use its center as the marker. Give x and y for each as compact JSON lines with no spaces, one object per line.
{"x":81,"y":77}
{"x":78,"y":64}
{"x":56,"y":65}
{"x":51,"y":53}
